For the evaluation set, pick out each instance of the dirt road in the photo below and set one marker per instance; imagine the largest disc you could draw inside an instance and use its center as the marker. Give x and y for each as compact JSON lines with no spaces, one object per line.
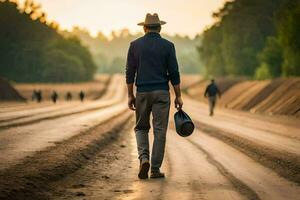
{"x":88,"y":152}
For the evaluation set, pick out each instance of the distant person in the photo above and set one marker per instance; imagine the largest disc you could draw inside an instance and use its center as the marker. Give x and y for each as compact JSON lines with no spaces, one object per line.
{"x":33,"y":96}
{"x":69,"y":96}
{"x":54,"y":96}
{"x":39,"y":96}
{"x":81,"y":96}
{"x":152,"y":62}
{"x":211,"y":93}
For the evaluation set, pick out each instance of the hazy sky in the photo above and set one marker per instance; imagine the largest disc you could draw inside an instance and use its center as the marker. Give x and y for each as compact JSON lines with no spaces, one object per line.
{"x":185,"y":17}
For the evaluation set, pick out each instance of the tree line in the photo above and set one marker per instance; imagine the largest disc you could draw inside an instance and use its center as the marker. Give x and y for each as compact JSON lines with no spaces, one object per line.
{"x":32,"y":50}
{"x":253,"y":38}
{"x":109,"y":52}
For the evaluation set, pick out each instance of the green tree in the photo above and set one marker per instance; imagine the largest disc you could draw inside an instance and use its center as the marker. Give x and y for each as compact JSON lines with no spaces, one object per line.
{"x":263,"y":72}
{"x":26,"y":40}
{"x":271,"y":57}
{"x":231,"y":46}
{"x":210,"y":52}
{"x":107,"y":51}
{"x":61,"y":67}
{"x":289,"y":37}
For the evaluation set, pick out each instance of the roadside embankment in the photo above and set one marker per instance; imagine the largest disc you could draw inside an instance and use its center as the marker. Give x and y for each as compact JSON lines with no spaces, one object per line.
{"x":274,"y":97}
{"x":8,"y":93}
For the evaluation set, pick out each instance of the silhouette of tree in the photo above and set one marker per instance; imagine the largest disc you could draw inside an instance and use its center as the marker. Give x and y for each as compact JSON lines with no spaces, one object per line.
{"x":253,"y":34}
{"x":31,"y":49}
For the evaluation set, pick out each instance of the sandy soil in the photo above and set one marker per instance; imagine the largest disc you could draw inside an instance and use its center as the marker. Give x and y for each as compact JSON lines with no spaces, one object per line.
{"x":92,"y":155}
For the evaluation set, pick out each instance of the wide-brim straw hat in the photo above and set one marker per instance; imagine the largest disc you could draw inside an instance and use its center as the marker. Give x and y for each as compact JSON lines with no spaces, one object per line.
{"x":152,"y":20}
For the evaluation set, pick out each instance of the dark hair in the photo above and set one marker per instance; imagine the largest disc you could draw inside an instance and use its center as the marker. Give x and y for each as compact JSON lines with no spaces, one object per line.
{"x":153,"y":27}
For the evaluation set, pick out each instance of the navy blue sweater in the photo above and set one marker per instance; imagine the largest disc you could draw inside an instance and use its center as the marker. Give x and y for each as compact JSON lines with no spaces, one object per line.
{"x":152,"y":62}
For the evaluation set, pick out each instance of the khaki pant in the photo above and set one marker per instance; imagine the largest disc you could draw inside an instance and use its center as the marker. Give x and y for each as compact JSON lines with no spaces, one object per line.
{"x":157,"y":103}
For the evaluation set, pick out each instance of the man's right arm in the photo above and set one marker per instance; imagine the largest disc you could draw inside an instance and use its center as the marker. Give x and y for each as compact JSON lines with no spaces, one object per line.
{"x":206,"y":91}
{"x":130,"y":66}
{"x":130,"y":76}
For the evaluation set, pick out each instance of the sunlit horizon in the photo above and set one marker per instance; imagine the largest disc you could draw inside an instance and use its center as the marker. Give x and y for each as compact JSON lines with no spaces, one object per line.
{"x":188,"y":17}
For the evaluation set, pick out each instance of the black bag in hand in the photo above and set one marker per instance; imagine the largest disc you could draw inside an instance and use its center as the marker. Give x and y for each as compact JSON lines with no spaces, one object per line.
{"x":183,"y":123}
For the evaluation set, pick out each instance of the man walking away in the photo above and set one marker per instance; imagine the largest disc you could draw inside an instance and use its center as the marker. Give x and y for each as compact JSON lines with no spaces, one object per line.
{"x":34,"y":95}
{"x":69,"y":96}
{"x":211,"y":92}
{"x":54,"y":96}
{"x":39,"y":96}
{"x":151,"y":63}
{"x":81,"y":96}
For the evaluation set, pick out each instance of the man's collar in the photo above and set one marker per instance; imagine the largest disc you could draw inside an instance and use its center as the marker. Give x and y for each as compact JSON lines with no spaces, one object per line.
{"x":152,"y":34}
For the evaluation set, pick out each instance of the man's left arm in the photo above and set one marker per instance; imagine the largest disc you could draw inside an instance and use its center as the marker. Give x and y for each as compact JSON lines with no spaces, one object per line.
{"x":175,"y":76}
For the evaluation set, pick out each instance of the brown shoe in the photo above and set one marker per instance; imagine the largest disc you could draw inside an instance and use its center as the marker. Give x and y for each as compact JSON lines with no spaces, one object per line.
{"x":144,"y":168}
{"x":157,"y":174}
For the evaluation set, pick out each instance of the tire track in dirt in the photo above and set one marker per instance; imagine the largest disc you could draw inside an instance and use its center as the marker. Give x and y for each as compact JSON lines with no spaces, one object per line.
{"x":240,"y":186}
{"x":266,"y":183}
{"x":188,"y":176}
{"x":55,"y":116}
{"x":284,"y":164}
{"x":107,"y":175}
{"x":10,"y":116}
{"x":12,"y":107}
{"x":31,"y":178}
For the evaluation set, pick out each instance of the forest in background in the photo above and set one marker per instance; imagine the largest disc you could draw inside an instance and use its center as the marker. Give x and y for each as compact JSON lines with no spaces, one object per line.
{"x":253,"y":38}
{"x":110,"y":53}
{"x":32,"y":50}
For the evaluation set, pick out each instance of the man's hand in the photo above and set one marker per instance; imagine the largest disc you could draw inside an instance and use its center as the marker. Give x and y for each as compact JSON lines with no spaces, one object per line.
{"x":131,"y":97}
{"x":178,"y":103}
{"x":131,"y":102}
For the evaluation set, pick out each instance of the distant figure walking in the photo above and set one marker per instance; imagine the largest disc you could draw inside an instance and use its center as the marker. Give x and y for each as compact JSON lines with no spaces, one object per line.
{"x":54,"y":96}
{"x":39,"y":96}
{"x":152,"y":62}
{"x":211,"y":93}
{"x":69,"y":96}
{"x":33,"y":96}
{"x":81,"y":96}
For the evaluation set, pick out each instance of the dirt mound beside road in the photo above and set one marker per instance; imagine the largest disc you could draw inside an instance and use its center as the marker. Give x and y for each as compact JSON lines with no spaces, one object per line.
{"x":197,"y":90}
{"x":245,"y":95}
{"x":8,"y":93}
{"x":275,"y":97}
{"x":284,"y":100}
